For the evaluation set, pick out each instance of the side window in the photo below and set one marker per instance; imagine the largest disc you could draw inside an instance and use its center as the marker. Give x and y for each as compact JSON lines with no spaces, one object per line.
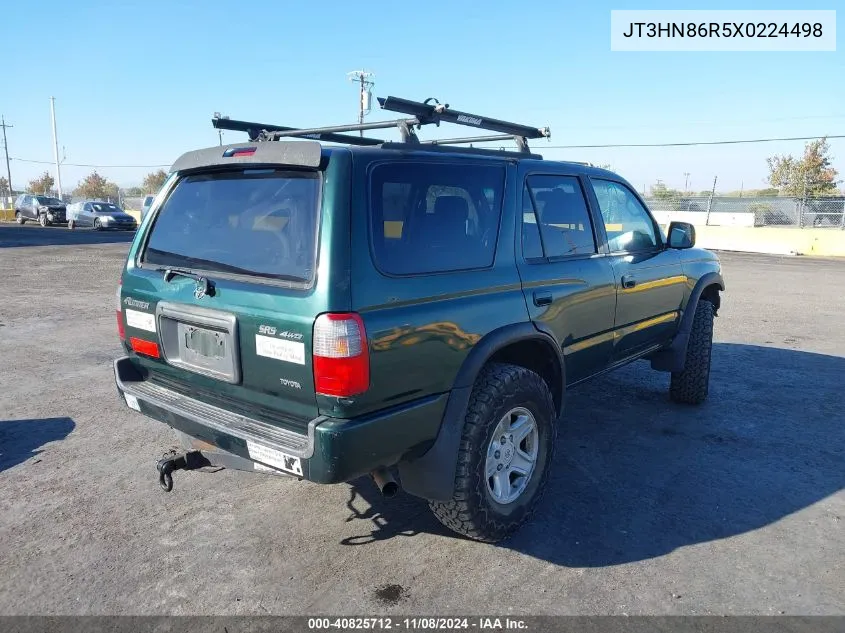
{"x":434,"y":217}
{"x":532,"y":245}
{"x":560,"y":213}
{"x":629,"y":226}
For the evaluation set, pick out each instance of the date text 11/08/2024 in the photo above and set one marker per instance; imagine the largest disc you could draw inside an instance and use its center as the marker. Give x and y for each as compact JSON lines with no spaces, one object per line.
{"x":420,"y":623}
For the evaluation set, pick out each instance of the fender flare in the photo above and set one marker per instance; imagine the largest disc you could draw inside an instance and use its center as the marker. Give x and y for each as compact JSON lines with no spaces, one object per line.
{"x":432,"y":475}
{"x":673,"y":358}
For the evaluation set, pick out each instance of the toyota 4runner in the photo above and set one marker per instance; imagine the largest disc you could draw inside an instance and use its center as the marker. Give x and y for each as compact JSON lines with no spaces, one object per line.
{"x":328,"y":306}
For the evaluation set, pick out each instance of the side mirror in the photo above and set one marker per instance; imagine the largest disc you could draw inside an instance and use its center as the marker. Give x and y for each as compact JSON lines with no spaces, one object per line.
{"x":681,"y":235}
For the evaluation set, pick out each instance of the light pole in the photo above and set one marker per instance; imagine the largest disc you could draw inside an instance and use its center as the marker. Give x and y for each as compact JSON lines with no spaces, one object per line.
{"x":56,"y":147}
{"x":365,"y":79}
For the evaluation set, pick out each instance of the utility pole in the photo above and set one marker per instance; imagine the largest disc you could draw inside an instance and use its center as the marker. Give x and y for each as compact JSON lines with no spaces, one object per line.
{"x":56,"y":147}
{"x":710,"y":201}
{"x":686,"y":181}
{"x":4,"y":125}
{"x":364,"y":78}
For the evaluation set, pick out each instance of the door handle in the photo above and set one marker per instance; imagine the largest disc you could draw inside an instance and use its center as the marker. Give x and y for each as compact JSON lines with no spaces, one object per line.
{"x":542,"y":298}
{"x":628,"y":281}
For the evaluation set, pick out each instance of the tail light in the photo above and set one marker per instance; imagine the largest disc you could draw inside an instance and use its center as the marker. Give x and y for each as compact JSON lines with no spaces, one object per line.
{"x":120,"y":331}
{"x":341,"y":357}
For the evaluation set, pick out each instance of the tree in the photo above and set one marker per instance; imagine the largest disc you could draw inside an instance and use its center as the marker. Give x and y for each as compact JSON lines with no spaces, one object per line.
{"x":96,"y":187}
{"x":660,"y":191}
{"x":811,"y":175}
{"x":154,"y":181}
{"x":43,"y":184}
{"x":4,"y":187}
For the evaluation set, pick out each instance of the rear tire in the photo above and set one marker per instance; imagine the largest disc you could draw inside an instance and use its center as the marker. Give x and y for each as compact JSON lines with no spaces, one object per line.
{"x":691,"y":385}
{"x":19,"y":218}
{"x":505,"y":400}
{"x":70,"y":224}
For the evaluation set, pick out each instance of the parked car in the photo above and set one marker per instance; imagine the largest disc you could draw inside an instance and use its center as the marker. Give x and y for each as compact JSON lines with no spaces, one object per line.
{"x":399,"y":308}
{"x":100,"y":216}
{"x":45,"y":210}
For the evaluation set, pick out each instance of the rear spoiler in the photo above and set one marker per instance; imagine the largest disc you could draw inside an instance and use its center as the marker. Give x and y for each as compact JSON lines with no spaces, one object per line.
{"x":293,"y":153}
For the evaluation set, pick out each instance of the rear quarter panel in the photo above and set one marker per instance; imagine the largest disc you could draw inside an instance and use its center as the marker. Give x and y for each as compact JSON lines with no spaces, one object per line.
{"x":421,"y":328}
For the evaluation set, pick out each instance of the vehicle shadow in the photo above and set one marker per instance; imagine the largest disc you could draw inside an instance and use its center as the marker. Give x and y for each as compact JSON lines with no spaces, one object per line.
{"x":23,"y":439}
{"x":14,"y":235}
{"x":636,"y":476}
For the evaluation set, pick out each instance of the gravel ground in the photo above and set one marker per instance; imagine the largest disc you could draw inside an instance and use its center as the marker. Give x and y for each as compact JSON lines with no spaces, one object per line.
{"x":735,"y":507}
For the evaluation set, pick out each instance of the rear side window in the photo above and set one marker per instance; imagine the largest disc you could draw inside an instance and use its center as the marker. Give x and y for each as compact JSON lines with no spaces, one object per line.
{"x":557,"y":207}
{"x":434,"y":217}
{"x":249,"y":222}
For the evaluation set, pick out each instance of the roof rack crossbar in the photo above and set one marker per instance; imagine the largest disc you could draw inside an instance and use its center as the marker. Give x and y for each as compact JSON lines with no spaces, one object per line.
{"x":261,"y":131}
{"x":377,"y":125}
{"x":421,"y":113}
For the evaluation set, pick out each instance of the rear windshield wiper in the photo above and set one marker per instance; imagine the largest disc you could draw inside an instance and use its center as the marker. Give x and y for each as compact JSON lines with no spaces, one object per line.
{"x":204,"y":282}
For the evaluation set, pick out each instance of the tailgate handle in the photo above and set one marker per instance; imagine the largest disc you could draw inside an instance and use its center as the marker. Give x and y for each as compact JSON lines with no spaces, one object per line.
{"x":542,"y":298}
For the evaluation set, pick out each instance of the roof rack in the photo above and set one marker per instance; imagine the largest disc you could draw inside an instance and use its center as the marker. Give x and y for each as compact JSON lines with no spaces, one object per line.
{"x":420,"y":114}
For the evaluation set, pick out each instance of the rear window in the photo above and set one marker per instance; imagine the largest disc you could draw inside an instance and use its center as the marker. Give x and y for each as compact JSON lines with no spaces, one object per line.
{"x":249,"y":222}
{"x":434,"y":217}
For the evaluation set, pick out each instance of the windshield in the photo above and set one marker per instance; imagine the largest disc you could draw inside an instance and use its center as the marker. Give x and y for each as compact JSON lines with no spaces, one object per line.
{"x":46,"y":200}
{"x":105,"y":207}
{"x":253,"y":222}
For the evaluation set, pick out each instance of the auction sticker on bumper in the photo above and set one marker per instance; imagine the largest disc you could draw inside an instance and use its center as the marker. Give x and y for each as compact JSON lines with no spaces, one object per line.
{"x":275,"y":458}
{"x":141,"y":320}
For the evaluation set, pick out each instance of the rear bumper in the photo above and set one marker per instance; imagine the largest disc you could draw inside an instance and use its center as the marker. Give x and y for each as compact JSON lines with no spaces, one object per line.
{"x":333,"y":450}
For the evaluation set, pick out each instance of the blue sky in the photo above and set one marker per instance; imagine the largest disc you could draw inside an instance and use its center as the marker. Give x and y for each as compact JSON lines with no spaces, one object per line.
{"x":136,"y":82}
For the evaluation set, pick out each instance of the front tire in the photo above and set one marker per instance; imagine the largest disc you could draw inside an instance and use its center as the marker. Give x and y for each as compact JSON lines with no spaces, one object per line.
{"x":70,"y":224}
{"x":19,"y":218}
{"x":97,"y":225}
{"x":506,"y":449}
{"x":691,"y":385}
{"x":42,"y":220}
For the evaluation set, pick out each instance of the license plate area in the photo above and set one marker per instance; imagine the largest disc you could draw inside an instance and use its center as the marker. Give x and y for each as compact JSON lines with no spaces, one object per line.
{"x":200,"y":340}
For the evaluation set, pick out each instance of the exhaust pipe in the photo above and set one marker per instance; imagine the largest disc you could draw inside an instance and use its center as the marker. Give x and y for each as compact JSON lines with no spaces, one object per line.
{"x":385,"y":482}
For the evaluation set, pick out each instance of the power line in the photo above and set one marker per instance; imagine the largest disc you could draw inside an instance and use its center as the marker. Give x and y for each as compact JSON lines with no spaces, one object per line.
{"x":689,"y":144}
{"x":49,"y":162}
{"x":608,"y":145}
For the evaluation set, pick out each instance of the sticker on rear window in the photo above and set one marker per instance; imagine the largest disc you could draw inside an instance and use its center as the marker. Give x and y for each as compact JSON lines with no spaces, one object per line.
{"x":141,"y":320}
{"x":280,"y":349}
{"x":274,"y":458}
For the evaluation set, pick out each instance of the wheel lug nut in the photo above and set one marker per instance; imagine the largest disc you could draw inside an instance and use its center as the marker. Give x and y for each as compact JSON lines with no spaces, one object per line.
{"x":499,"y":467}
{"x":497,"y":454}
{"x":504,"y":439}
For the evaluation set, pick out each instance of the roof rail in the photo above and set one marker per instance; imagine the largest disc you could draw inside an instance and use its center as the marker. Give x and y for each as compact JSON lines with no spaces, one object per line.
{"x":420,"y":114}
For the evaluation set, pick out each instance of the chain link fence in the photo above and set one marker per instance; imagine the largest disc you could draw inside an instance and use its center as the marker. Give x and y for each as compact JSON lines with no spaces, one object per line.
{"x":826,"y":212}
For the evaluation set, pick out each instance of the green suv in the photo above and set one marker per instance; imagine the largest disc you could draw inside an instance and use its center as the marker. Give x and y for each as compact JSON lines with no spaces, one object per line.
{"x":328,"y":306}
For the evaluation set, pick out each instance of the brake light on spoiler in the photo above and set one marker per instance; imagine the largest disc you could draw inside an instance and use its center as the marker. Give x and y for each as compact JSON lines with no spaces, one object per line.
{"x":238,"y":151}
{"x":341,"y":356}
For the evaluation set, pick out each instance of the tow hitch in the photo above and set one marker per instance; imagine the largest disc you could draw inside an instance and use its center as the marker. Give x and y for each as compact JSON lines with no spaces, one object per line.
{"x":189,"y":461}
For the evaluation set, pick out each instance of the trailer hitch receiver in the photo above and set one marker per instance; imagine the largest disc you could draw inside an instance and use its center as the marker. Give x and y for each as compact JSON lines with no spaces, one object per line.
{"x":167,"y":465}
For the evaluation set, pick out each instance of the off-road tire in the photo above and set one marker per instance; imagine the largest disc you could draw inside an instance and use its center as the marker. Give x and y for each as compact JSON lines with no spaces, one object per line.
{"x":472,"y":512}
{"x":691,"y":385}
{"x":19,"y":218}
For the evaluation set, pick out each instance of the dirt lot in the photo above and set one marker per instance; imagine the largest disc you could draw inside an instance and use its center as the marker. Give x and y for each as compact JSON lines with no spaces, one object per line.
{"x":733,"y":508}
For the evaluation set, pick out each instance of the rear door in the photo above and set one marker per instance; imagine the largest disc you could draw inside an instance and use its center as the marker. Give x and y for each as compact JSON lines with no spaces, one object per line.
{"x":221,"y":302}
{"x":566,"y":278}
